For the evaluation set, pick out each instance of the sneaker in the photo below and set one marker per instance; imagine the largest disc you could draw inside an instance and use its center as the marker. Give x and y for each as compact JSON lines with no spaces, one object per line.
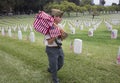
{"x":56,"y":81}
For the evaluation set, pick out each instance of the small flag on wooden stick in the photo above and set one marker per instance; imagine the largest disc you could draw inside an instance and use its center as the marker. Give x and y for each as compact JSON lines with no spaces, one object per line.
{"x":118,"y":57}
{"x":71,"y":45}
{"x":54,"y":31}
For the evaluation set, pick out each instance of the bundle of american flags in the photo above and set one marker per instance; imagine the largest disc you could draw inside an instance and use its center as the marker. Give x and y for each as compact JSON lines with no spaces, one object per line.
{"x":44,"y":24}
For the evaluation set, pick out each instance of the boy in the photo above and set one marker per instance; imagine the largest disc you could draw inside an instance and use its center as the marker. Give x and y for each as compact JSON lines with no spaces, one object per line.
{"x":53,"y":47}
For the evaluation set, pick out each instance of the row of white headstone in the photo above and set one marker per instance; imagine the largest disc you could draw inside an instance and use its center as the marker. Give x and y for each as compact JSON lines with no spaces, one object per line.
{"x":77,"y":45}
{"x":20,"y":37}
{"x":114,"y":32}
{"x":19,"y":28}
{"x":114,"y":21}
{"x":16,"y":27}
{"x":77,"y":24}
{"x":90,"y":31}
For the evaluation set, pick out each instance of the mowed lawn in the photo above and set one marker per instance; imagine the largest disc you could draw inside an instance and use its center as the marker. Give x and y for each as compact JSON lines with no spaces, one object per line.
{"x":22,"y":61}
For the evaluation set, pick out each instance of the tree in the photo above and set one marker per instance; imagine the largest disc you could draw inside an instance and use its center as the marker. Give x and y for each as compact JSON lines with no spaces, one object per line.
{"x":64,"y":5}
{"x":86,"y":2}
{"x":114,"y":4}
{"x":94,"y":11}
{"x":77,"y":2}
{"x":58,"y":1}
{"x":7,"y":5}
{"x":100,"y":8}
{"x":88,"y":8}
{"x":82,"y":9}
{"x":102,"y":2}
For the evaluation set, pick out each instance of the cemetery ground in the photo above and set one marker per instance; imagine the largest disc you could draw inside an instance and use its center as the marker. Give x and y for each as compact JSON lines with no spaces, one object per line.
{"x":22,"y":61}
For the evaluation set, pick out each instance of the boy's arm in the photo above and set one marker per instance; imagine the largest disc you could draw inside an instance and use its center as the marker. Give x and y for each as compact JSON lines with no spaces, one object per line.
{"x":50,"y":41}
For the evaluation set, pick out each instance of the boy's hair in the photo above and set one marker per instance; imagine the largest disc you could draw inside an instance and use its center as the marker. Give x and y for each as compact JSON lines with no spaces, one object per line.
{"x":56,"y":12}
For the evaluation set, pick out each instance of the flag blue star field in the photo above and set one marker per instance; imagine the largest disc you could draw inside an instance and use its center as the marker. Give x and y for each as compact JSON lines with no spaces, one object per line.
{"x":54,"y":31}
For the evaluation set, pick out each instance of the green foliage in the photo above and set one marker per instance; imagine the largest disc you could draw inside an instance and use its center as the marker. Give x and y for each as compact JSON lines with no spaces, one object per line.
{"x":77,"y":2}
{"x":24,"y":6}
{"x":86,"y":2}
{"x":88,"y":7}
{"x":7,"y":4}
{"x":67,"y":6}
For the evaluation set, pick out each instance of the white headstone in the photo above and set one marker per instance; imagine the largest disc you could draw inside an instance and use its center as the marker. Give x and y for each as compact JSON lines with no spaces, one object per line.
{"x":115,"y":22}
{"x":32,"y":37}
{"x":61,"y":26}
{"x":25,"y":28}
{"x":77,"y":23}
{"x":14,"y":28}
{"x":90,"y":32}
{"x":73,"y":30}
{"x":19,"y":35}
{"x":31,"y":29}
{"x":3,"y":32}
{"x":114,"y":34}
{"x":9,"y":32}
{"x":89,"y":24}
{"x":70,"y":26}
{"x":109,"y":27}
{"x":64,"y":25}
{"x":94,"y":27}
{"x":81,"y":27}
{"x":77,"y":46}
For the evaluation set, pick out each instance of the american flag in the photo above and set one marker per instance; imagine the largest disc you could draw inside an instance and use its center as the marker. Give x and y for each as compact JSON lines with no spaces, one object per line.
{"x":118,"y":59}
{"x":71,"y":45}
{"x":43,"y":22}
{"x":113,"y":34}
{"x":54,"y":31}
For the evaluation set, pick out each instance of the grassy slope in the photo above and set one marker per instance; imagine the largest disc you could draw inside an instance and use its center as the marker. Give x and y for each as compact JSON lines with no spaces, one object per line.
{"x":25,"y":62}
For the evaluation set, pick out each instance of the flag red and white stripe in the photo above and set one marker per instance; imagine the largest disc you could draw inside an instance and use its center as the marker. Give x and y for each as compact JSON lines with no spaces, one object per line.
{"x":54,"y":32}
{"x":43,"y":22}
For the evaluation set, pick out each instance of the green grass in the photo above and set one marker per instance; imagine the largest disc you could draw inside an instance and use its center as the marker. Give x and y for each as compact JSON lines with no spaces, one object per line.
{"x":24,"y":62}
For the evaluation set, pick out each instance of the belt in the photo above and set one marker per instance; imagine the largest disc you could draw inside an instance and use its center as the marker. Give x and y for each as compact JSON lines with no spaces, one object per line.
{"x":53,"y":46}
